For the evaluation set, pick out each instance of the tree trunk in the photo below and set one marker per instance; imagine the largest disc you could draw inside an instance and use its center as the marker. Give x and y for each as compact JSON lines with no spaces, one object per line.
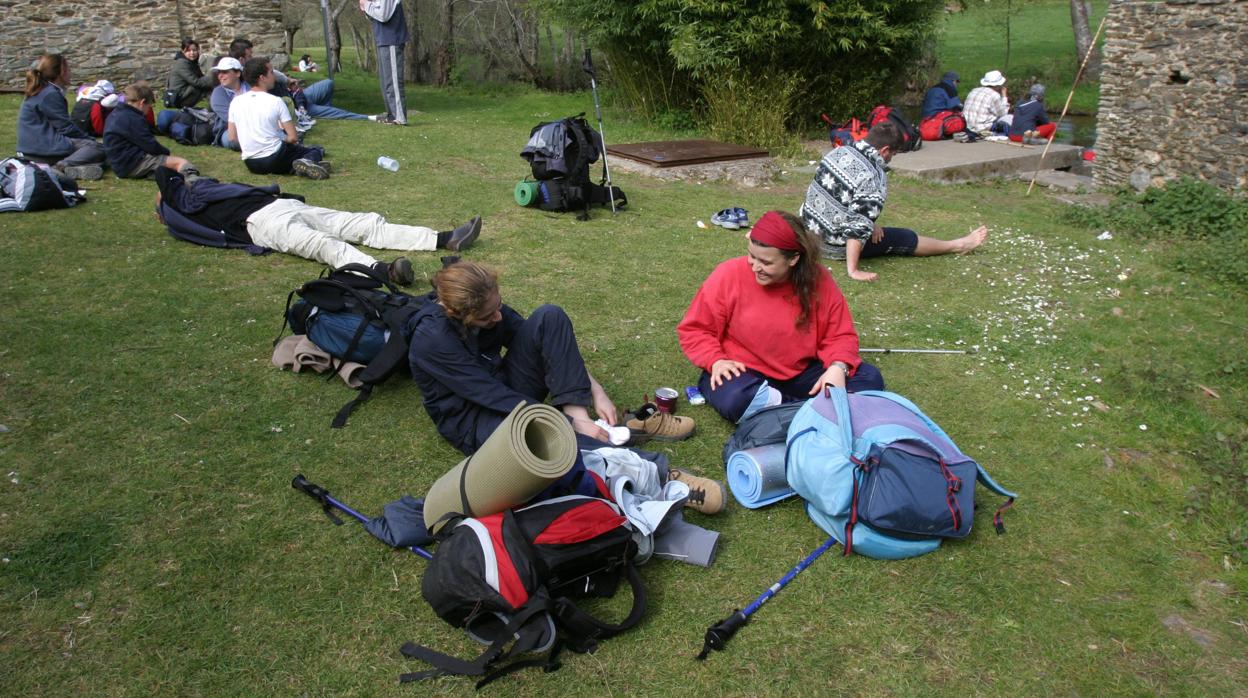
{"x":446,"y":50}
{"x":417,"y":64}
{"x":333,"y":52}
{"x":290,"y":39}
{"x":1080,"y":12}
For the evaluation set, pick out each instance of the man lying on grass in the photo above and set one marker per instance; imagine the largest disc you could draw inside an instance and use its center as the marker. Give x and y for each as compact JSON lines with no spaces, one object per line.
{"x":246,"y":216}
{"x":847,"y":196}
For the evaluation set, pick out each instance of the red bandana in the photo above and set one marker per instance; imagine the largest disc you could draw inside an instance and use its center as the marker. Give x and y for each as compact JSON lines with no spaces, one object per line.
{"x":774,"y":231}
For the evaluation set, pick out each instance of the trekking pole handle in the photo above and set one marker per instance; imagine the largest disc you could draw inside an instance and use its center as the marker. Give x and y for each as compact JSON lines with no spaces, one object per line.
{"x":587,"y":63}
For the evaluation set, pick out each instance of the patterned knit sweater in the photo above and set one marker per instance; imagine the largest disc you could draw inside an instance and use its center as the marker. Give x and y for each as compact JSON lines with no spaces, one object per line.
{"x":846,"y":196}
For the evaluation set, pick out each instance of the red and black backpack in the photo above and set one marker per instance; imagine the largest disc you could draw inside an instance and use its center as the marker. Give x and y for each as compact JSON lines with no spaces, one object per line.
{"x":509,"y":580}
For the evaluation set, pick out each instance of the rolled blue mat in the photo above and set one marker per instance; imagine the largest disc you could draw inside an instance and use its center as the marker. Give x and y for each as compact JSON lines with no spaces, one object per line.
{"x":756,"y":476}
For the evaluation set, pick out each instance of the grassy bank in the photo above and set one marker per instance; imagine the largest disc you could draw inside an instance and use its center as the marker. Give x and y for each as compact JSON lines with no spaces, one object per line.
{"x":152,"y":544}
{"x":1041,"y":48}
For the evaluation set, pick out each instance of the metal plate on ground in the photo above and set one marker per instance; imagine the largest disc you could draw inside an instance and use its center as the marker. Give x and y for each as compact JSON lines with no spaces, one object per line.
{"x":673,"y":153}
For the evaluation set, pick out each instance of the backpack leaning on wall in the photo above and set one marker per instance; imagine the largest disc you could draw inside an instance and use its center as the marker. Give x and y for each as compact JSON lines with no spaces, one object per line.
{"x":882,"y":477}
{"x":912,"y":139}
{"x":354,"y":314}
{"x":559,"y":154}
{"x":26,"y":185}
{"x":510,"y":581}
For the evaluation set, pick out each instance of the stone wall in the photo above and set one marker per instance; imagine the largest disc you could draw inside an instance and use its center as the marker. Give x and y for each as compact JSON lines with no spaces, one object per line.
{"x":1174,"y":93}
{"x":125,"y":40}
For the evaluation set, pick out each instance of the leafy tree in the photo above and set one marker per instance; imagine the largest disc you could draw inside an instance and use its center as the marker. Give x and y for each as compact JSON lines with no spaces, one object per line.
{"x":787,"y":59}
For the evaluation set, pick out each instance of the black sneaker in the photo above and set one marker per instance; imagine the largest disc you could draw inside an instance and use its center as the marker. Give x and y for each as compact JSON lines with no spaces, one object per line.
{"x":400,"y":272}
{"x":463,"y":236}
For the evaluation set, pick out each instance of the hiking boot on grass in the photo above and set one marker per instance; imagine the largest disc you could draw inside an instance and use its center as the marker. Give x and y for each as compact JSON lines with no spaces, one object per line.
{"x":306,"y":168}
{"x":462,"y":237}
{"x":705,"y":495}
{"x":649,"y":423}
{"x":91,"y":172}
{"x":400,"y":272}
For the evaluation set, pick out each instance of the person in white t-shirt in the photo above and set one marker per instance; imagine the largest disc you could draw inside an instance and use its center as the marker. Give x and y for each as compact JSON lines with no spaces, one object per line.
{"x":261,"y":125}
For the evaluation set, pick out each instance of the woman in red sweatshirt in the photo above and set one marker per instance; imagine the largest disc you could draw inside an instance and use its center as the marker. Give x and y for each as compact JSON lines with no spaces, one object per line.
{"x":772,"y":326}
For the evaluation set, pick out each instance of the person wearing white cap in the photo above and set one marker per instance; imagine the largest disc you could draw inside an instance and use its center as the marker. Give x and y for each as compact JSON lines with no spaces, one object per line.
{"x":988,"y":105}
{"x":229,"y":85}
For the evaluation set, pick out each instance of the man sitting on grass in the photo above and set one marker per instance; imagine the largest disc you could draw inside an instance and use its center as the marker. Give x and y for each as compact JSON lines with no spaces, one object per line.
{"x":848,"y":195}
{"x":240,"y":215}
{"x":132,"y":151}
{"x":261,"y":126}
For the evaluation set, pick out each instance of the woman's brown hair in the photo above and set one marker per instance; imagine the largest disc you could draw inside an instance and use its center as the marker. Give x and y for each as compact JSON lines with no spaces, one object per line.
{"x":465,"y":289}
{"x":47,"y":69}
{"x":805,"y":274}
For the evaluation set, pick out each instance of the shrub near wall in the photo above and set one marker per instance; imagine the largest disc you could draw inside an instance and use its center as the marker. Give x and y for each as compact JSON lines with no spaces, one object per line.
{"x":791,"y":59}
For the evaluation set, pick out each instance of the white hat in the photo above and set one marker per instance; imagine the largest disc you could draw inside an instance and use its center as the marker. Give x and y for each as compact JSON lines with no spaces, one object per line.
{"x":228,"y":63}
{"x":992,"y":78}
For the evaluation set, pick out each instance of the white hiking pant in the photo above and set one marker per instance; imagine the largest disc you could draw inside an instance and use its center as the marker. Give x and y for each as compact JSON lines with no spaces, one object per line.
{"x":322,"y":234}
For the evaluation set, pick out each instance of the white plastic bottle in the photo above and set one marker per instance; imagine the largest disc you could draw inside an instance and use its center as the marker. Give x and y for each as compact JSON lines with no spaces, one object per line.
{"x":388,"y":163}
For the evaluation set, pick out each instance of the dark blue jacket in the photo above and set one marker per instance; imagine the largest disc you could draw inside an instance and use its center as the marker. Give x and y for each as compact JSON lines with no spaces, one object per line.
{"x":176,"y":199}
{"x":128,"y":138}
{"x":1027,"y":116}
{"x":943,"y":96}
{"x":459,"y":373}
{"x":43,"y":125}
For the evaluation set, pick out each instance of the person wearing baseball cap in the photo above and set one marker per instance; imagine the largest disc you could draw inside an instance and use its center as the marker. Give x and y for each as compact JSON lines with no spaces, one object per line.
{"x":987,"y":104}
{"x":229,"y":85}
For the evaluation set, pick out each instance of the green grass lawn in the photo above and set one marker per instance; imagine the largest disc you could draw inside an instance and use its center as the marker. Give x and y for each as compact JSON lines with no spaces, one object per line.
{"x":1042,"y":48}
{"x":152,"y":544}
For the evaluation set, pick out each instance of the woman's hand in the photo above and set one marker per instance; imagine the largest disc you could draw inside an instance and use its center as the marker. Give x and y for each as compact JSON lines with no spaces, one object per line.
{"x":835,"y":376}
{"x":724,"y":370}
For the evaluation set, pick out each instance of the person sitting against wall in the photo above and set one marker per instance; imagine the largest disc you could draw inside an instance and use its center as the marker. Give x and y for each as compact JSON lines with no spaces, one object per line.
{"x":1030,"y":120}
{"x":772,"y":327}
{"x":187,"y":82}
{"x":45,"y":132}
{"x":133,"y":152}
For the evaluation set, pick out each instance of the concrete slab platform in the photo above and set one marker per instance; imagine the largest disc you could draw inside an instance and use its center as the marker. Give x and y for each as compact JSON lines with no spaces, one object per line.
{"x":753,"y":172}
{"x":1056,"y":179}
{"x":950,"y":161}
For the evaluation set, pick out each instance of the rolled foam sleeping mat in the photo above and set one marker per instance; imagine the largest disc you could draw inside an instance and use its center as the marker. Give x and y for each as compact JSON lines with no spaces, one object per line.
{"x":532,"y":448}
{"x":526,"y":193}
{"x":756,"y":476}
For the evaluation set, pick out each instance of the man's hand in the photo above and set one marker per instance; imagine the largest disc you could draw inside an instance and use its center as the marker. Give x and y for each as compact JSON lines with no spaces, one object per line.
{"x":602,"y":403}
{"x":593,"y":431}
{"x":860,"y":275}
{"x":877,"y":234}
{"x":158,"y":216}
{"x":725,"y":370}
{"x":835,"y":376}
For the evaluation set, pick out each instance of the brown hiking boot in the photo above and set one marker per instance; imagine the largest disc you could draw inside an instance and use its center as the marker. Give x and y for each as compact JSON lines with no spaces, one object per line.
{"x":705,"y":495}
{"x":650,"y":423}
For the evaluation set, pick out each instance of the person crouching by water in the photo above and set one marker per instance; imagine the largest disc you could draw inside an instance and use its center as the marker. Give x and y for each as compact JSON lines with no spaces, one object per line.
{"x":772,"y":326}
{"x":469,"y":386}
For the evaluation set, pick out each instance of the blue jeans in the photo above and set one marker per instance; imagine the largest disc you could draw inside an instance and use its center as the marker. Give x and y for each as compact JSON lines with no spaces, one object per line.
{"x":320,"y":96}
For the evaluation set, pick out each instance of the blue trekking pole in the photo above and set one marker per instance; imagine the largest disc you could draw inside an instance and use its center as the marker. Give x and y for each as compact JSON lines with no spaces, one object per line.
{"x":328,"y":503}
{"x":719,"y":634}
{"x":588,"y":66}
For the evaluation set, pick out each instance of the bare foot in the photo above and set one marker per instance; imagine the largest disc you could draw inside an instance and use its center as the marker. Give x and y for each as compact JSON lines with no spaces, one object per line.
{"x":860,"y":275}
{"x":971,"y":240}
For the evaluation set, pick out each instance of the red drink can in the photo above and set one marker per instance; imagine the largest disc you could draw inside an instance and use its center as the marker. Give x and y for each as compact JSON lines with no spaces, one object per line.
{"x":665,"y":399}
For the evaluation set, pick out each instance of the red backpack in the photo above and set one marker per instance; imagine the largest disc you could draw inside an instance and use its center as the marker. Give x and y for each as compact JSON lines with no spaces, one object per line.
{"x":942,"y":125}
{"x":509,"y":579}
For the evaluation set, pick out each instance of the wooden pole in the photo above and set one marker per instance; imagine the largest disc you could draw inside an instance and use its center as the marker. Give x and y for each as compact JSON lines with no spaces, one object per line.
{"x":1069,"y":97}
